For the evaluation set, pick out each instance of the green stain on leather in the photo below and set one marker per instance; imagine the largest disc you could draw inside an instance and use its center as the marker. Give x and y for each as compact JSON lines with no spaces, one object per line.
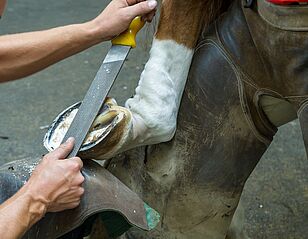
{"x":116,"y":224}
{"x":152,"y":216}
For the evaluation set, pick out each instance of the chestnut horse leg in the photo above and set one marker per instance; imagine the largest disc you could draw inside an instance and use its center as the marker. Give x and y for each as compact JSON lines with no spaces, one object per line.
{"x":158,"y":95}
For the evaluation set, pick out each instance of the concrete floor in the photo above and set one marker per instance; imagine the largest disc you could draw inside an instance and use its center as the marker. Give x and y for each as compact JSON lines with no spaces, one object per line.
{"x":276,"y":195}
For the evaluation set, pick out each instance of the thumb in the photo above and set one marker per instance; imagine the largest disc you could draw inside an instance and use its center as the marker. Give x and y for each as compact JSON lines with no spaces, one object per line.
{"x":63,"y":150}
{"x":142,"y":8}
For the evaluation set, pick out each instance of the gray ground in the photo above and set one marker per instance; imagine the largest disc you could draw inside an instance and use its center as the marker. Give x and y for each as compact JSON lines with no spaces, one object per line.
{"x":276,"y":195}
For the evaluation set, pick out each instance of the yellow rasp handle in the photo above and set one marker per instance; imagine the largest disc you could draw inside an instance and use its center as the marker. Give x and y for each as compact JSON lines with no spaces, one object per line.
{"x":128,"y":38}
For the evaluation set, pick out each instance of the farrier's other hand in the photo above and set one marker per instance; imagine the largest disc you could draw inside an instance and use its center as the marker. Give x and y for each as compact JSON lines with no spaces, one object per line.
{"x":117,"y":16}
{"x":58,"y":181}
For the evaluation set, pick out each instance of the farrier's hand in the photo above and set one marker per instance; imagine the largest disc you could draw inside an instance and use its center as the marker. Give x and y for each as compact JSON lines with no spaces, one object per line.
{"x":117,"y":16}
{"x":58,"y":181}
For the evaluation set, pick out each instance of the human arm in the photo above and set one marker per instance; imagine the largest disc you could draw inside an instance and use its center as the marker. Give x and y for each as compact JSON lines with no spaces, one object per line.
{"x":26,"y":53}
{"x":55,"y":185}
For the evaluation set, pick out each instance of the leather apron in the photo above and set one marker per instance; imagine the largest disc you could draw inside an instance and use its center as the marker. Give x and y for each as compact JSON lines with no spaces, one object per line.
{"x":105,"y":195}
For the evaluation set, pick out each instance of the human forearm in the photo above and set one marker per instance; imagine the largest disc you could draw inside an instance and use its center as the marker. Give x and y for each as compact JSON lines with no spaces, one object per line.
{"x":19,"y":213}
{"x":26,"y":53}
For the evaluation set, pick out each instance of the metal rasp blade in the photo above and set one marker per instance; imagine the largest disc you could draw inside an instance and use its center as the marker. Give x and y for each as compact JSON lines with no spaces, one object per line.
{"x":102,"y":84}
{"x":96,"y":95}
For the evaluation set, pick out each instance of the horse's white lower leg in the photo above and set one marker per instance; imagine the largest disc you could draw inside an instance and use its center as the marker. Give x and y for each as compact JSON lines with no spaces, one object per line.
{"x":158,"y":95}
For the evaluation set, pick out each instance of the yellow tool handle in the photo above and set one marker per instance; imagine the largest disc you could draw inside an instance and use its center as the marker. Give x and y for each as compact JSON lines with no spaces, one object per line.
{"x":128,"y":38}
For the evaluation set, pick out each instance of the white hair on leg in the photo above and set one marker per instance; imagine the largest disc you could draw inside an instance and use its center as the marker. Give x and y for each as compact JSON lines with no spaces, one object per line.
{"x":158,"y":95}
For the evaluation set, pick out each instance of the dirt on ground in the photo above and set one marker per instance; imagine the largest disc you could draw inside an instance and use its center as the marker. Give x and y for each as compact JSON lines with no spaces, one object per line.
{"x":276,"y":195}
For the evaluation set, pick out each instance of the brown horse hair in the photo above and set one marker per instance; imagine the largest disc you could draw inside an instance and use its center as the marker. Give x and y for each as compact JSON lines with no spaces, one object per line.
{"x":182,"y":21}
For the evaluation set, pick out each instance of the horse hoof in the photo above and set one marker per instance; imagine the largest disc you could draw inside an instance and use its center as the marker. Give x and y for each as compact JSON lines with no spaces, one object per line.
{"x":106,"y":135}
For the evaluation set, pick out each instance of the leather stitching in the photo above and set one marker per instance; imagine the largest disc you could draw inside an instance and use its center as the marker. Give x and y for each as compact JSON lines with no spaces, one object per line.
{"x":242,"y":97}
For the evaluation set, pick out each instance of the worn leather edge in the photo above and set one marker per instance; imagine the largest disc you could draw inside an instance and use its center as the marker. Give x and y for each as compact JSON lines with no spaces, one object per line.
{"x":290,"y":18}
